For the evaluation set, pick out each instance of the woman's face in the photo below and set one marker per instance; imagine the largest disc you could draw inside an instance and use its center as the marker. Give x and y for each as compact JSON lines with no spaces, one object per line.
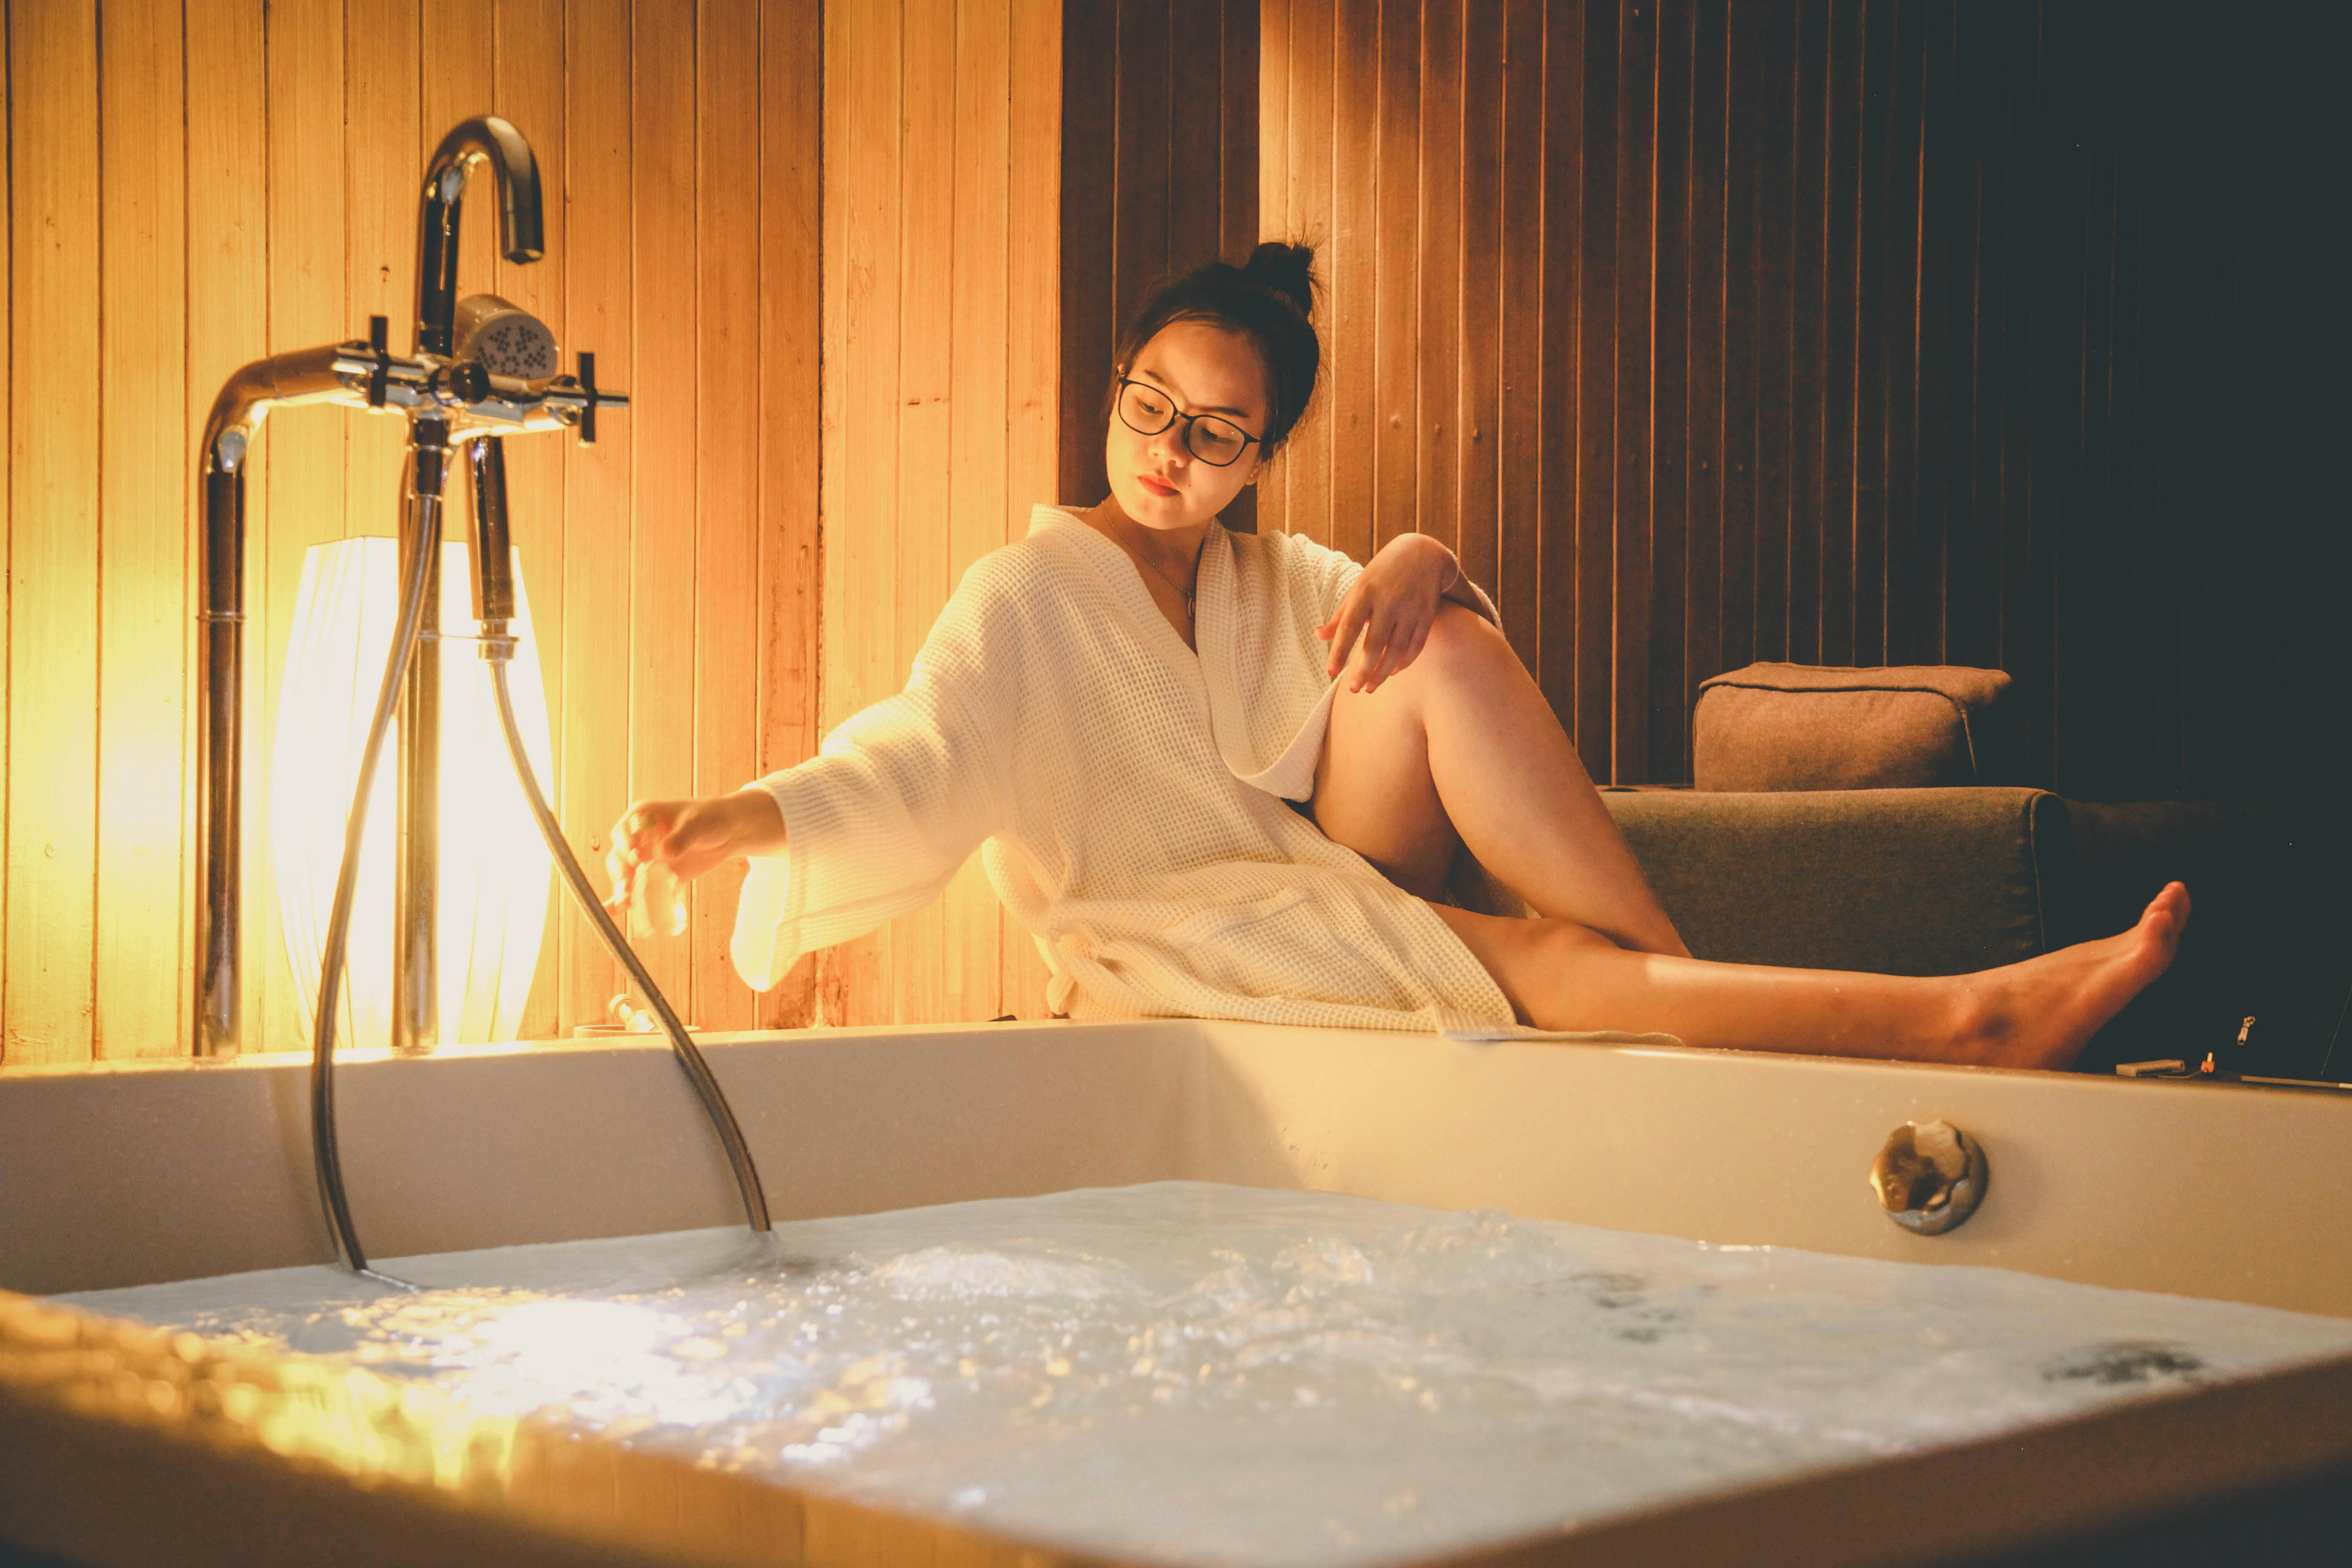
{"x":1200,"y":369}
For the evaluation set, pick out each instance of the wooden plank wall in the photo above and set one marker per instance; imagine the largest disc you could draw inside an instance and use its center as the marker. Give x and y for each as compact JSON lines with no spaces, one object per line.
{"x":195,"y":183}
{"x":943,"y":131}
{"x":1160,"y":174}
{"x":1847,"y":332}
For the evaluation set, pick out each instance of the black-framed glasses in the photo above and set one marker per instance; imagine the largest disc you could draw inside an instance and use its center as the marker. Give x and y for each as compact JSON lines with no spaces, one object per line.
{"x":1146,"y":410}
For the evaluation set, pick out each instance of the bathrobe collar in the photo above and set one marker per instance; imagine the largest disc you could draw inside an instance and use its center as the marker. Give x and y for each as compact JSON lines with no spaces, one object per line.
{"x":1267,"y":730}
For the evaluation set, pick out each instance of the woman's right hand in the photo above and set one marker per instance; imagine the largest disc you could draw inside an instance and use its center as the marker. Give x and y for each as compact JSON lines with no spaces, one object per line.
{"x":691,"y":837}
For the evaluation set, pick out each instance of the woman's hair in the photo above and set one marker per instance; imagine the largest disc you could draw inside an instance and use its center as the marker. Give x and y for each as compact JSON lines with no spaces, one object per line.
{"x":1269,"y":301}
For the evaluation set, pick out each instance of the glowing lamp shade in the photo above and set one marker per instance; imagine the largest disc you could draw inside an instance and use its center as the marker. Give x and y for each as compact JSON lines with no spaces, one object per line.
{"x":494,"y":870}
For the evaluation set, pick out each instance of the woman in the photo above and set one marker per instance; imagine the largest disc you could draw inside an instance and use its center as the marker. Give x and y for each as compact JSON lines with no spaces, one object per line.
{"x":1136,"y":710}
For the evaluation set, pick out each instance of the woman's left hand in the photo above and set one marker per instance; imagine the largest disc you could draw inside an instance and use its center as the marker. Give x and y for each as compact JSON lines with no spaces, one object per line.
{"x":1391,"y":604}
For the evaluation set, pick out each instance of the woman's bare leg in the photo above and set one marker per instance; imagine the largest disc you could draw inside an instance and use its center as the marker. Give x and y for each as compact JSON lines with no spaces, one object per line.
{"x":2037,"y":1014}
{"x":1460,"y":748}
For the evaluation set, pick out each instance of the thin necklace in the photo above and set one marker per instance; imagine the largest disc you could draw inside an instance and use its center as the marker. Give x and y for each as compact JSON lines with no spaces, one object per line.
{"x":1188,"y":593}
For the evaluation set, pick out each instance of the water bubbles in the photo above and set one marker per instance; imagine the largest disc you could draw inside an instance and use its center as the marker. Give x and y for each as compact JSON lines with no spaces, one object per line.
{"x":1189,"y":1372}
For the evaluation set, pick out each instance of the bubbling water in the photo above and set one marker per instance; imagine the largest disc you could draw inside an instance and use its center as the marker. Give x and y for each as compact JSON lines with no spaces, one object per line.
{"x":1192,"y":1373}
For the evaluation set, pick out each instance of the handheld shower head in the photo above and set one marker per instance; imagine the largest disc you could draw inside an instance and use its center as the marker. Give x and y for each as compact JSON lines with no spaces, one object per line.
{"x":506,"y":339}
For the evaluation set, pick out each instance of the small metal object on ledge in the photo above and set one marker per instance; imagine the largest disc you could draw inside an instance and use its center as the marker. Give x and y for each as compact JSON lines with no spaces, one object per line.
{"x":1929,"y":1177}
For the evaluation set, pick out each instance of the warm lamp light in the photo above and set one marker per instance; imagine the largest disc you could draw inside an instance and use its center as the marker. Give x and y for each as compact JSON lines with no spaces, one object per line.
{"x":494,"y":869}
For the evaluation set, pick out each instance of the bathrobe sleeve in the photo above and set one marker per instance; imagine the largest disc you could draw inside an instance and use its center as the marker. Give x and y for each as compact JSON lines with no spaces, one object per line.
{"x":897,"y":796}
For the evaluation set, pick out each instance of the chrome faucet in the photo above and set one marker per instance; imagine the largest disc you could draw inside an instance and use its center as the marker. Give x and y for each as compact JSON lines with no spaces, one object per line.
{"x":480,"y":370}
{"x":451,"y":396}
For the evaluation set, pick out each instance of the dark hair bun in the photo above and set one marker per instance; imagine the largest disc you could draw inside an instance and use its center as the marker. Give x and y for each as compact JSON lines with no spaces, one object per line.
{"x":1270,"y":301}
{"x":1288,"y":270}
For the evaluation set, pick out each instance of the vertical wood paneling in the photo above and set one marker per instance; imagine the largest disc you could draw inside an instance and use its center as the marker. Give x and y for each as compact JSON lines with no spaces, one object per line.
{"x":1438,"y":368}
{"x":1598,"y":415}
{"x":726,"y":529}
{"x":927,"y":95}
{"x":158,"y":243}
{"x":1559,"y":451}
{"x":1863,"y":330}
{"x":1239,"y":151}
{"x":1841,"y":525}
{"x":790,"y":324}
{"x":1089,"y":241}
{"x":528,"y":91}
{"x":1704,"y":464}
{"x":1273,"y":118}
{"x":1306,"y":219}
{"x":385,"y":150}
{"x":1520,"y":413}
{"x":1924,"y":566}
{"x":1038,"y":142}
{"x":1879,"y":226}
{"x":1396,"y":321}
{"x":1804,"y":452}
{"x":663,"y":428}
{"x":1635,"y":349}
{"x":1144,"y":140}
{"x":942,"y":400}
{"x":1352,"y":272}
{"x":1478,"y":408}
{"x":53,"y":539}
{"x":979,"y":419}
{"x":861,"y":505}
{"x":598,"y":598}
{"x":1159,"y":173}
{"x":309,"y":304}
{"x":1657,"y":709}
{"x":139,"y":967}
{"x":7,"y":512}
{"x":1195,"y":131}
{"x":459,"y":78}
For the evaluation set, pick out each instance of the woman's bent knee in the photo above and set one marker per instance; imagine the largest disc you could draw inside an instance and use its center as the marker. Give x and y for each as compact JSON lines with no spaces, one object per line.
{"x":1543,"y":966}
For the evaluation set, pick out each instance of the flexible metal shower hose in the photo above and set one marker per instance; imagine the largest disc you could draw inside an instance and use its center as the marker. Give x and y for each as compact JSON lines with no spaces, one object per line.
{"x":326,"y":1156}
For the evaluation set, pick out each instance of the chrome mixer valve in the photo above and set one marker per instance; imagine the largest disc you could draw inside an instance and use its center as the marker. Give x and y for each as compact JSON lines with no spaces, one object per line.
{"x":482,"y":369}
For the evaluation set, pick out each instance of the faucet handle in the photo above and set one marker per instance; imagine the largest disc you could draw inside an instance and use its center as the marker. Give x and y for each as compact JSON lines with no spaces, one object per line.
{"x":379,"y":331}
{"x":588,"y":411}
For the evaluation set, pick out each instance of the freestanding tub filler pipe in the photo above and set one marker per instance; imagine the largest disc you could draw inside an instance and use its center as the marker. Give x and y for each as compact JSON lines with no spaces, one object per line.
{"x":480,"y":370}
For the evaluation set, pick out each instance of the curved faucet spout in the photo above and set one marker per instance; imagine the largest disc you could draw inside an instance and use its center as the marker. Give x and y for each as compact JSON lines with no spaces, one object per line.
{"x":485,"y":139}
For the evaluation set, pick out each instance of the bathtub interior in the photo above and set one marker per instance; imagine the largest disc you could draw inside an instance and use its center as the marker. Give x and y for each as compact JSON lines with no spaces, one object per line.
{"x":148,"y":1173}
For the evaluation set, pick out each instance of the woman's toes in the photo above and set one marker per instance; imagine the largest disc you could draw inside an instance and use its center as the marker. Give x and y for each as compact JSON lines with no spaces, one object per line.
{"x":2164,"y":919}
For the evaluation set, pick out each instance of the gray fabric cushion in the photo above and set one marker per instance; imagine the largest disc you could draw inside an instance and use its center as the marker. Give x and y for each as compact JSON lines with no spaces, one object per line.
{"x":1816,"y":727}
{"x":1894,"y":881}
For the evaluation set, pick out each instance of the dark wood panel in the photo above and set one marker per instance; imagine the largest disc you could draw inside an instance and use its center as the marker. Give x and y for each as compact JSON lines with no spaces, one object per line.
{"x":1437,"y":433}
{"x":1396,"y":230}
{"x":1842,"y":522}
{"x":1349,"y":407}
{"x":1159,"y":173}
{"x":1867,"y":330}
{"x":1597,"y":413}
{"x":1703,"y":384}
{"x":1479,"y":409}
{"x":1659,"y":716}
{"x":1562,"y":223}
{"x":1636,"y":348}
{"x":1520,"y":413}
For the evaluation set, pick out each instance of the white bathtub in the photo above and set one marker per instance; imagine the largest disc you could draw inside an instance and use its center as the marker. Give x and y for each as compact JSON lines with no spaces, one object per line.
{"x":119,"y":1445}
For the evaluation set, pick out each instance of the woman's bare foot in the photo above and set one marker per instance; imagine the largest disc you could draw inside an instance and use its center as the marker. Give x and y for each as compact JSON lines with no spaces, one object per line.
{"x":2043,"y":1012}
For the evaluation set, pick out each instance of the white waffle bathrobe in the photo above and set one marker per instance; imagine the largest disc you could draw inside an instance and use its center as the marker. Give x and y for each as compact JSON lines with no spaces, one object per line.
{"x":1128,"y":797}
